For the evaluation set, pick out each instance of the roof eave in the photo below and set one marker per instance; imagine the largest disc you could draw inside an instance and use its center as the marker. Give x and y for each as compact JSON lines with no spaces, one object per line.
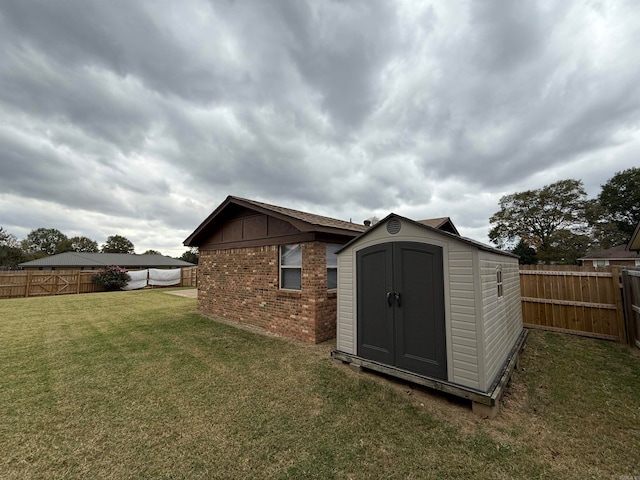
{"x":468,"y":241}
{"x":194,"y":239}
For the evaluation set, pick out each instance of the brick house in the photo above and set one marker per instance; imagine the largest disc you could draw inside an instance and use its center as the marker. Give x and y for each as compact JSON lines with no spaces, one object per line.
{"x":611,"y":257}
{"x":270,"y":267}
{"x":273,"y":268}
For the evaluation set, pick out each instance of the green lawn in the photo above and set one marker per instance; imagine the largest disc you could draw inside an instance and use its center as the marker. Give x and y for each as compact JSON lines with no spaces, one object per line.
{"x":138,"y":385}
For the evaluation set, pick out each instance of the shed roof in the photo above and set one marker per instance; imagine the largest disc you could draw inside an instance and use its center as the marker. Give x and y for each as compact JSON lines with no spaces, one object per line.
{"x":85,"y":259}
{"x":619,"y":252}
{"x":422,"y":224}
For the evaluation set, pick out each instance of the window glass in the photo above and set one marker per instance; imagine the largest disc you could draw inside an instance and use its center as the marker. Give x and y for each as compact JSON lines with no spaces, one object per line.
{"x":499,"y":281}
{"x":291,"y":267}
{"x":332,"y":278}
{"x":292,"y":278}
{"x":291,"y":255}
{"x":332,"y":265}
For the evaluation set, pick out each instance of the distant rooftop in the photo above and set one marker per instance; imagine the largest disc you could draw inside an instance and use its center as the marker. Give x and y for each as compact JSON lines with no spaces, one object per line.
{"x":98,"y":260}
{"x":620,"y":252}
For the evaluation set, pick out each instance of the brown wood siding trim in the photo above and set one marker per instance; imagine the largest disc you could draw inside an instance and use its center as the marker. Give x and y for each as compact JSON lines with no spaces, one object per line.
{"x":334,"y":238}
{"x":238,"y":208}
{"x":261,"y":242}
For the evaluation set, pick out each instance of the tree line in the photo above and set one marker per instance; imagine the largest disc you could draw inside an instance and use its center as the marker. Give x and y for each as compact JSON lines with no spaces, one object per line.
{"x":43,"y":242}
{"x":558,"y":223}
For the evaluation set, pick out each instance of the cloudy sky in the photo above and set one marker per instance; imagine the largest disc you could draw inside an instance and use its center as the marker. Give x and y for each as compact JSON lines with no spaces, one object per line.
{"x":138,"y":118}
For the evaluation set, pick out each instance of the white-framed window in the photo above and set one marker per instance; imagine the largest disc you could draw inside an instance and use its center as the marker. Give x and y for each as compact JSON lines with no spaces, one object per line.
{"x":332,"y":265}
{"x":499,"y":281}
{"x":638,"y":263}
{"x":601,"y":263}
{"x":291,"y":267}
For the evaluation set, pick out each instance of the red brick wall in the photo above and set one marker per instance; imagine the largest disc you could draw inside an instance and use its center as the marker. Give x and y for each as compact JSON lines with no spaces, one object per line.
{"x":242,"y":285}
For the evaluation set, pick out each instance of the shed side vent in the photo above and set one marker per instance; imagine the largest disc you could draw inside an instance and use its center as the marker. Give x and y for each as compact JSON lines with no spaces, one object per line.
{"x":393,"y":226}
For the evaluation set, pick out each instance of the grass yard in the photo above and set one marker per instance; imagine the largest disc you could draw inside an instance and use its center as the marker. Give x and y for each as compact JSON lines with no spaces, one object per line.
{"x":138,"y":385}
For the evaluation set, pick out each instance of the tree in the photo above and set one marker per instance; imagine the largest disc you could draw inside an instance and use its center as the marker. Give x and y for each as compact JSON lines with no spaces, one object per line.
{"x":535,"y":215}
{"x":117,"y":244}
{"x":83,"y":244}
{"x":565,"y":247}
{"x":11,"y":257}
{"x":191,"y":255}
{"x":46,"y":241}
{"x":8,"y":239}
{"x":152,"y":252}
{"x":615,"y":214}
{"x":10,"y":253}
{"x":526,"y":253}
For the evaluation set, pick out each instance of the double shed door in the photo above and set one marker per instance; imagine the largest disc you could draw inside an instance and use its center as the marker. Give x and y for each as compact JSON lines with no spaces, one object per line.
{"x":401,"y":307}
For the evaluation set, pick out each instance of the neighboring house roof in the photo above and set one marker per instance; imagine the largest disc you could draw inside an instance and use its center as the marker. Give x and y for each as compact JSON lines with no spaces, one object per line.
{"x":303,"y":221}
{"x":634,"y":243}
{"x":424,"y":224}
{"x":620,"y":252}
{"x":85,"y":259}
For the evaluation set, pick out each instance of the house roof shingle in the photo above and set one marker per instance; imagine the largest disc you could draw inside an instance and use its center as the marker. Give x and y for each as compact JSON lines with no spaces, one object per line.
{"x":441,"y":223}
{"x":620,"y":252}
{"x":304,"y":221}
{"x":85,"y":259}
{"x":310,"y":218}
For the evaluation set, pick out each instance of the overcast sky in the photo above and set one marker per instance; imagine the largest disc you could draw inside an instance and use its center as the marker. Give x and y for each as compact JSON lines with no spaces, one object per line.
{"x":139,"y":118}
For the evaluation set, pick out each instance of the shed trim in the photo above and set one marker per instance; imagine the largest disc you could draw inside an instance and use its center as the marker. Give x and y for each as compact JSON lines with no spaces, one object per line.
{"x":491,"y":398}
{"x":466,"y":240}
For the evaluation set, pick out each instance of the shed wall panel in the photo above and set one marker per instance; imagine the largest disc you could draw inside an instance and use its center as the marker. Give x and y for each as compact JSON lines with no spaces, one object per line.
{"x":346,"y":321}
{"x":502,"y":316}
{"x":463,"y":316}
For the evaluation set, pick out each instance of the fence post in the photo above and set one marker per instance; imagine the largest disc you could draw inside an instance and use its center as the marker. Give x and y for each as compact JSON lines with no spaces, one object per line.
{"x":628,"y":309}
{"x":28,"y":284}
{"x":617,"y":289}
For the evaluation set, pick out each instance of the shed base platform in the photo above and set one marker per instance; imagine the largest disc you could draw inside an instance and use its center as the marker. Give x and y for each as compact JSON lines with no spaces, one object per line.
{"x":485,"y":404}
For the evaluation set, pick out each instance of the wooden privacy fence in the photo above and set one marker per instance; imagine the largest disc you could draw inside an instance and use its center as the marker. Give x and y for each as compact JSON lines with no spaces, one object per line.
{"x":573,"y":299}
{"x":189,"y":277}
{"x":36,"y":283}
{"x":631,"y":284}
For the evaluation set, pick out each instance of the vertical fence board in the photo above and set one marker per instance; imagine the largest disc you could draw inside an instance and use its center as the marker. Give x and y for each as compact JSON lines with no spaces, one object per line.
{"x":37,"y":283}
{"x":631,"y":288}
{"x":576,"y":299}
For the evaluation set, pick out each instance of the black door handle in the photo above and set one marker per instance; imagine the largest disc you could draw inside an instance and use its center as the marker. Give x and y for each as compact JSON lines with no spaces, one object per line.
{"x":389,"y":301}
{"x":397,"y":295}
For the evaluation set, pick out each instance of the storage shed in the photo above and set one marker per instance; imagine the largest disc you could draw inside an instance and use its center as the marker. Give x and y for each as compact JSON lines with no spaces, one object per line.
{"x":431,"y":307}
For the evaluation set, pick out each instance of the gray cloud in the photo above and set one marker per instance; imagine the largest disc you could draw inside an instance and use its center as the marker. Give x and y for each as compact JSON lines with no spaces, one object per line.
{"x":142,"y":117}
